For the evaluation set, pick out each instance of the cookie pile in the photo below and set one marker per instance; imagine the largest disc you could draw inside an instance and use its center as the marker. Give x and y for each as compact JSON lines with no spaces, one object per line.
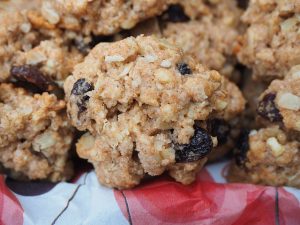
{"x":159,"y":86}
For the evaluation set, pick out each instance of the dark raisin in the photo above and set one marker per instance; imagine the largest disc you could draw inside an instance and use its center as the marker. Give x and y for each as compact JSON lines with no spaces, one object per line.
{"x":267,"y":108}
{"x":81,"y":86}
{"x":220,"y":129}
{"x":81,"y":108}
{"x":81,"y":104}
{"x":175,"y":14}
{"x":184,"y":68}
{"x":32,"y":75}
{"x":200,"y":145}
{"x":29,"y":87}
{"x":79,"y":89}
{"x":241,"y":149}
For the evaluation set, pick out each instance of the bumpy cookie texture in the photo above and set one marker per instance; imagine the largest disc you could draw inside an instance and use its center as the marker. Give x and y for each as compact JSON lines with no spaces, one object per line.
{"x":205,"y":29}
{"x":270,"y":45}
{"x":12,"y":37}
{"x":269,"y":156}
{"x":139,"y":99}
{"x":24,"y":43}
{"x":280,"y":103}
{"x":98,"y":16}
{"x":35,"y":136}
{"x":51,"y":58}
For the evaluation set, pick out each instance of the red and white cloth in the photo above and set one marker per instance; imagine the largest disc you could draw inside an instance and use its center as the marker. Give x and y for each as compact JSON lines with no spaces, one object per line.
{"x":210,"y":200}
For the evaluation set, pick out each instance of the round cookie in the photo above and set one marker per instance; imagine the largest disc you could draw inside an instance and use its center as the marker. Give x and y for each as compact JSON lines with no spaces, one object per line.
{"x":269,"y":156}
{"x":270,"y":46}
{"x":35,"y":136}
{"x":145,"y":106}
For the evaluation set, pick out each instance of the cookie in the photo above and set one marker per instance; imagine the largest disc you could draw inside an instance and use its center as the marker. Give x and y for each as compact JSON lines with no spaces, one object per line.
{"x":269,"y":156}
{"x":280,"y":103}
{"x":98,"y":17}
{"x":270,"y":45}
{"x":35,"y":136}
{"x":145,"y":108}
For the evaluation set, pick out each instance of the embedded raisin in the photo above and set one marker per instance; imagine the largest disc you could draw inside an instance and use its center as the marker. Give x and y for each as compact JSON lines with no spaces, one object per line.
{"x":81,"y":108}
{"x":267,"y":108}
{"x":81,"y":104}
{"x":220,"y":129}
{"x":184,"y":68}
{"x":175,"y":14}
{"x":242,"y":147}
{"x":32,"y":75}
{"x":81,"y":86}
{"x":79,"y":89}
{"x":200,"y":145}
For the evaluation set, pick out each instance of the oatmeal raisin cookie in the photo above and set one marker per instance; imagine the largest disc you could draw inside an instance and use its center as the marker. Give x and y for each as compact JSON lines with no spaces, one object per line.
{"x":145,"y":106}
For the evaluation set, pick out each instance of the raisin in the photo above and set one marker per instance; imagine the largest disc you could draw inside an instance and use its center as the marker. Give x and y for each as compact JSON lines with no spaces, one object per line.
{"x":241,"y":149}
{"x":33,"y":76}
{"x":29,"y":87}
{"x":81,"y":108}
{"x":80,"y":87}
{"x":267,"y":108}
{"x":175,"y":14}
{"x":81,"y":104}
{"x":200,"y":145}
{"x":184,"y":68}
{"x":220,"y":129}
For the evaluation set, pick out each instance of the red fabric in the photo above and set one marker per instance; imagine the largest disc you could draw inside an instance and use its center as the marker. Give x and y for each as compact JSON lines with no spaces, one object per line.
{"x":261,"y":206}
{"x":164,"y":201}
{"x":11,"y":211}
